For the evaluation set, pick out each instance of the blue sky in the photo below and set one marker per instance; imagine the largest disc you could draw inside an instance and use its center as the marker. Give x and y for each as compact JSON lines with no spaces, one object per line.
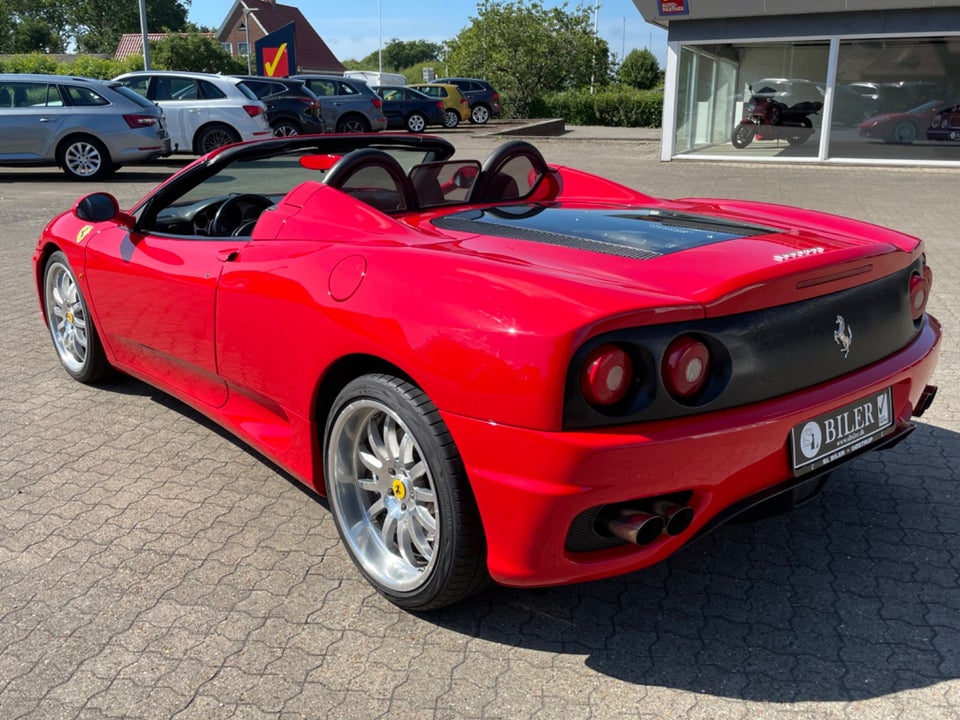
{"x":350,"y":27}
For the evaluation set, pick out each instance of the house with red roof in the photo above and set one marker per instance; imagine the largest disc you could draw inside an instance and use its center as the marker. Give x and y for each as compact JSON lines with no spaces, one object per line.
{"x":263,"y":17}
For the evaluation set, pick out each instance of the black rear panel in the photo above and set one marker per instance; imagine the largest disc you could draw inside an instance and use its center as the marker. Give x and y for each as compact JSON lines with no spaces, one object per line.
{"x":758,"y":355}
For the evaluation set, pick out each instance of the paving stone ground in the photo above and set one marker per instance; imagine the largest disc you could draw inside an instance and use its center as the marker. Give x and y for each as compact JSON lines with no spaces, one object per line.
{"x":152,"y":567}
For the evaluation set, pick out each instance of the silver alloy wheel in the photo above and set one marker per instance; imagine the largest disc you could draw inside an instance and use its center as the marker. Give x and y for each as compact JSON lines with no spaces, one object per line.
{"x":451,"y":118}
{"x":905,"y":133}
{"x":286,"y":129}
{"x":416,"y":123}
{"x":351,"y":125}
{"x":215,"y":137}
{"x":82,"y":159}
{"x":383,"y":495}
{"x":67,"y":316}
{"x":480,"y":114}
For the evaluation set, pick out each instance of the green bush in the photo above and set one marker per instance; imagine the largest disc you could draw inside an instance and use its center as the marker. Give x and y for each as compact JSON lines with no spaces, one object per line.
{"x":90,"y":66}
{"x":612,"y":106}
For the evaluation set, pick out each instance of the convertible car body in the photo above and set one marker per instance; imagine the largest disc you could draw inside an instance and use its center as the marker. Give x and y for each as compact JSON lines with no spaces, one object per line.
{"x":505,"y":369}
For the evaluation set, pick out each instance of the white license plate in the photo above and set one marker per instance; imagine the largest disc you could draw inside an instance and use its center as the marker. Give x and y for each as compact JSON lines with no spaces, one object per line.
{"x":834,"y":435}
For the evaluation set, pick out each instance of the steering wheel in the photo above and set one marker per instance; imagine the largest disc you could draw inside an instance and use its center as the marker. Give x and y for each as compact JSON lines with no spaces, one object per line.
{"x":238,"y":213}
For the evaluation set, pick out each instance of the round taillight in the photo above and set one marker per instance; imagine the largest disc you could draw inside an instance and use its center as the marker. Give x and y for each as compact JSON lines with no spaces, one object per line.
{"x":919,"y":292}
{"x":606,"y":376}
{"x":686,"y":366}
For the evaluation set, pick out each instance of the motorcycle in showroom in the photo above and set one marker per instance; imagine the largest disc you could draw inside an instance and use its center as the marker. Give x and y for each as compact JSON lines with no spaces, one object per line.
{"x":769,"y":119}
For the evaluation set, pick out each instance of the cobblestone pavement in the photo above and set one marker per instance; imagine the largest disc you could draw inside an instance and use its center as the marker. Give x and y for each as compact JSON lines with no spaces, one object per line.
{"x":152,"y":567}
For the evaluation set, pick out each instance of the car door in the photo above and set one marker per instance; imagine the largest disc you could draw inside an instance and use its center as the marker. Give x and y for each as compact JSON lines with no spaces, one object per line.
{"x":32,"y":114}
{"x":155,"y":300}
{"x":183,"y":106}
{"x":393,"y":105}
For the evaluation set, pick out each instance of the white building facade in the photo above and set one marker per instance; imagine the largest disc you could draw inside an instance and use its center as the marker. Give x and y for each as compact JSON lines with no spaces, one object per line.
{"x":886,"y":71}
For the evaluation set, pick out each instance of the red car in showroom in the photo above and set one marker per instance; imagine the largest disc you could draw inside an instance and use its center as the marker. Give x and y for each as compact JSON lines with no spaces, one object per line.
{"x":504,"y":370}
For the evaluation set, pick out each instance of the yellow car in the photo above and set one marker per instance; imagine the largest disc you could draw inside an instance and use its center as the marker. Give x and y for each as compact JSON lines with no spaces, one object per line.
{"x":456,"y":107}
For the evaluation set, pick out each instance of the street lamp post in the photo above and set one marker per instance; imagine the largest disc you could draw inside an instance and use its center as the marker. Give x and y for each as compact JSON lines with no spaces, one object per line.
{"x":245,"y":26}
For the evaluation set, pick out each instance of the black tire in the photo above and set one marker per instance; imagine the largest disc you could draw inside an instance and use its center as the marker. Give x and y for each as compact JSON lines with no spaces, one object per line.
{"x":799,"y":138}
{"x":353,"y":124}
{"x":743,"y":135}
{"x":71,"y":328}
{"x":479,"y":114}
{"x":211,"y":137}
{"x":451,"y":119}
{"x":82,"y":157}
{"x":416,"y":122}
{"x":904,"y":133}
{"x":400,"y":496}
{"x":286,"y":128}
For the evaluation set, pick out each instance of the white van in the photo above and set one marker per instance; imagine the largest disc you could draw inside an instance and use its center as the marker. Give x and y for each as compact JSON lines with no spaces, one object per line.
{"x":372,"y":77}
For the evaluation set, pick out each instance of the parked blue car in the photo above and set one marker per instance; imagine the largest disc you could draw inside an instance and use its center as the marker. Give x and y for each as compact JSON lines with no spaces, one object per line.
{"x":408,"y":108}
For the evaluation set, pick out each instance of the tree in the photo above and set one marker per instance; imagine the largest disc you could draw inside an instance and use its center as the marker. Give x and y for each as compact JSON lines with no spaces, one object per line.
{"x":640,"y":69}
{"x":33,"y":26}
{"x":193,"y":51}
{"x":97,"y":25}
{"x":526,"y":50}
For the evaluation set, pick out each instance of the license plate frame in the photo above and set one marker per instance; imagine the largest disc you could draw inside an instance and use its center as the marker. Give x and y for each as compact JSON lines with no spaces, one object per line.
{"x":833,"y":435}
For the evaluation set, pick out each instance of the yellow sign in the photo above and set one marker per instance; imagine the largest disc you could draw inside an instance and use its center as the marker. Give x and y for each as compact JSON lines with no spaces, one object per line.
{"x":84,"y":231}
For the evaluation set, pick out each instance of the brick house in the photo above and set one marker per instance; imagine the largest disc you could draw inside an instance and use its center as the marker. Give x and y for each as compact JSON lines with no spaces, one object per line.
{"x":267,"y":16}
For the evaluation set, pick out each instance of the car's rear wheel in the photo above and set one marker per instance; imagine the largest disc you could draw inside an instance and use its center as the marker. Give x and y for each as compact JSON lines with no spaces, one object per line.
{"x":352,"y":124}
{"x":71,"y":327}
{"x":400,"y":496}
{"x":451,"y":118}
{"x":84,"y":158}
{"x":213,"y":136}
{"x":416,"y":122}
{"x":286,"y":128}
{"x":479,"y":114}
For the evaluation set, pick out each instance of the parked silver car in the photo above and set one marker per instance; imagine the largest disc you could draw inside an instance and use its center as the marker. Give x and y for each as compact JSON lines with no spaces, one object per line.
{"x":203,"y":110}
{"x":349,"y":105}
{"x":89,"y":128}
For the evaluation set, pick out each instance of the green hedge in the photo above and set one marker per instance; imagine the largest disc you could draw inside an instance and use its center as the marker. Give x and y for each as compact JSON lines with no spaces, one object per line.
{"x":82,"y":66}
{"x":612,"y":106}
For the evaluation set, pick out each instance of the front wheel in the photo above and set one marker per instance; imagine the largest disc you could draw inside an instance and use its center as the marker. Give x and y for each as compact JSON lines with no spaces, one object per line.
{"x":743,"y":135}
{"x":416,"y":123}
{"x":905,"y":133}
{"x":71,"y":327}
{"x":400,"y":496}
{"x":451,"y":119}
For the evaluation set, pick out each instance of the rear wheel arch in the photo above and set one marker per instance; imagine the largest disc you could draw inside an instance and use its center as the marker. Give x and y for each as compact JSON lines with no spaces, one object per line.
{"x":338,"y":375}
{"x":213,"y":131}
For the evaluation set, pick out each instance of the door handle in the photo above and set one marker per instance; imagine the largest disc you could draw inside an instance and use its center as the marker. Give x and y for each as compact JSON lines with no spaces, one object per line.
{"x":228,"y":255}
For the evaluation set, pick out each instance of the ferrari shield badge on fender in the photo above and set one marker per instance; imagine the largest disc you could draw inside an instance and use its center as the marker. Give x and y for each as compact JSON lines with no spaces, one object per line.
{"x":84,"y":231}
{"x":843,"y":335}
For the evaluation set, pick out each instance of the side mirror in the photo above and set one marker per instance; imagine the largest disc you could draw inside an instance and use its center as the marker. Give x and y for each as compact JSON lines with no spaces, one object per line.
{"x":101,"y":207}
{"x":465,"y":177}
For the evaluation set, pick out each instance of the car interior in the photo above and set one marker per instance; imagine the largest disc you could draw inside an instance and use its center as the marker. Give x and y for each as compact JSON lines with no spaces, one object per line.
{"x":230,"y":202}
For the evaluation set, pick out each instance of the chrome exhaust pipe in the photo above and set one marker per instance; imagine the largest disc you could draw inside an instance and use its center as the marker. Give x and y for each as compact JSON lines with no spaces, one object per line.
{"x":635,"y":526}
{"x":676,"y":518}
{"x":926,"y":399}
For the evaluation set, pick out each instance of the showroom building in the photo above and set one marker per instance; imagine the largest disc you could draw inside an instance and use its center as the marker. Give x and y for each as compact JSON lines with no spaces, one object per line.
{"x":869,"y":81}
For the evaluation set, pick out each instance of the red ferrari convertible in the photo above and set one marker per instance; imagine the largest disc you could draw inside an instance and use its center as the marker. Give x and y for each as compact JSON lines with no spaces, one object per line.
{"x":503,"y":370}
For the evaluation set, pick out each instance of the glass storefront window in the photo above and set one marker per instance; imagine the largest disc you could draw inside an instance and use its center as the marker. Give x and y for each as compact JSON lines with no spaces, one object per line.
{"x":892,"y":100}
{"x":752,"y":100}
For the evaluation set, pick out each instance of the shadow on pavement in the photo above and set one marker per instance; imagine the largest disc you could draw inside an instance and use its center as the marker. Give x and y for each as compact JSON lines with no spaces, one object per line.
{"x":850,"y":597}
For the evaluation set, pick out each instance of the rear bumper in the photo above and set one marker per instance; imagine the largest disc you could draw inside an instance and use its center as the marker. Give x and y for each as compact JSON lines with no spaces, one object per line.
{"x":531,"y":485}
